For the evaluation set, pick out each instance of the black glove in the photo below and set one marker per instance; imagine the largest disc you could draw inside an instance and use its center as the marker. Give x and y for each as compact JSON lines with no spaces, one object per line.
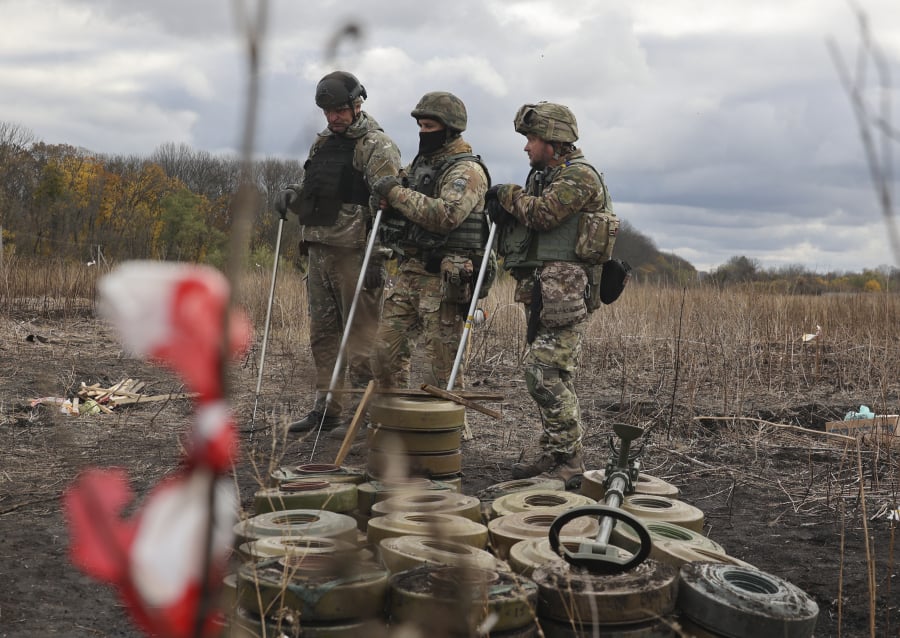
{"x":384,"y":185}
{"x":283,"y":201}
{"x":375,"y":274}
{"x":495,"y":210}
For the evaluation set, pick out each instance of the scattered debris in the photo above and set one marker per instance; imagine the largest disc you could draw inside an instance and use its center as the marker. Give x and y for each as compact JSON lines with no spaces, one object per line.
{"x":813,"y":336}
{"x":94,"y":399}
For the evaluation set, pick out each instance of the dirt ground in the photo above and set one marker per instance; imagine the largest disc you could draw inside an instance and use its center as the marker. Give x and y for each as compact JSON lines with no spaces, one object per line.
{"x":782,"y":499}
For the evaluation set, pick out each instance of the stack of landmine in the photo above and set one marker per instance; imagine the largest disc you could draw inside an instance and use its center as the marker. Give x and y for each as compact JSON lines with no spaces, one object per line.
{"x":332,"y":555}
{"x":415,"y":437}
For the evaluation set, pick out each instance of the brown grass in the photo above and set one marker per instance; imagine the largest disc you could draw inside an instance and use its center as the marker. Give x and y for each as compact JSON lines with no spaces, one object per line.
{"x":684,"y":362}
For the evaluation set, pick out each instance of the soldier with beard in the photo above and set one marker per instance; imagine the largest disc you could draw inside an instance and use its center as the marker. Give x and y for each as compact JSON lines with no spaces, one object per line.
{"x":539,"y":230}
{"x":332,"y":203}
{"x":436,"y":227}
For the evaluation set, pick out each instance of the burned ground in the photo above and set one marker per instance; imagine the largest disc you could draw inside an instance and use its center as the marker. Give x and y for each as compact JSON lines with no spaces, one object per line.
{"x":788,"y":500}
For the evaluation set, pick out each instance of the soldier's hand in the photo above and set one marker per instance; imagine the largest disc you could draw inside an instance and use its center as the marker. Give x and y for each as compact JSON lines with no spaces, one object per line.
{"x":283,"y":201}
{"x":377,"y":202}
{"x":375,"y":274}
{"x":495,"y":210}
{"x":384,"y":185}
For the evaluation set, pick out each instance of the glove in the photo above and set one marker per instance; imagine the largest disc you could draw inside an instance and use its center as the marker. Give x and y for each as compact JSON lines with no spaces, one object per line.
{"x":374,"y":277}
{"x":495,"y":210}
{"x":283,"y":201}
{"x":384,"y":185}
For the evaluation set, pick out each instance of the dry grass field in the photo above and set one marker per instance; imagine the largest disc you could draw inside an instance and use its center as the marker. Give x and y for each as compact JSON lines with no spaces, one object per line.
{"x":733,"y":401}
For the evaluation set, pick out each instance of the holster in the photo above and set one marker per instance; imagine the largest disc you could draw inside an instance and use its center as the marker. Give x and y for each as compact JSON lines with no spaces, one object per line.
{"x":537,"y":305}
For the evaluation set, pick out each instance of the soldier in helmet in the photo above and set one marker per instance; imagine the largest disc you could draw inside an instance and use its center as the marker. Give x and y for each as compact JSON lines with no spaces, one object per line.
{"x":538,"y":231}
{"x":333,"y":205}
{"x":436,"y":228}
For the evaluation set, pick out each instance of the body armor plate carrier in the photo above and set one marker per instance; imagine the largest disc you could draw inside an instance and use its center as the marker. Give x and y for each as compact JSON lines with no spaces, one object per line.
{"x":330,"y":181}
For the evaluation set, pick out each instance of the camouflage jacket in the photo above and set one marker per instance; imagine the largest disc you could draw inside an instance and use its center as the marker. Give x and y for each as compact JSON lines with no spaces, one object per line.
{"x":375,"y":155}
{"x":460,"y":192}
{"x":567,"y":190}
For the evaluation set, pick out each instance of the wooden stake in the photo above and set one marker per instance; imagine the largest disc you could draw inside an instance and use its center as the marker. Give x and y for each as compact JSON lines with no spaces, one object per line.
{"x":414,"y":392}
{"x":354,"y":424}
{"x":450,"y":396}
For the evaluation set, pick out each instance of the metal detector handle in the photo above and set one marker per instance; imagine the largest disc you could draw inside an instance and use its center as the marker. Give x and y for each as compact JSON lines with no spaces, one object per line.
{"x":593,"y":556}
{"x":470,"y":316}
{"x":627,"y":433}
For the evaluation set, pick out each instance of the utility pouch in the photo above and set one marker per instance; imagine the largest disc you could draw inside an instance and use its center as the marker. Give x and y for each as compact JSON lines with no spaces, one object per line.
{"x":392,"y":230}
{"x":616,"y":274}
{"x":596,"y":237}
{"x":592,"y":293}
{"x":535,"y":309}
{"x":562,"y":291}
{"x":456,"y":274}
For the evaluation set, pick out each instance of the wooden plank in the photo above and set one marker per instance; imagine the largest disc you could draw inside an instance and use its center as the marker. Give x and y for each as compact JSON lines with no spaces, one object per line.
{"x":883,"y":424}
{"x":158,"y":397}
{"x":354,"y":424}
{"x":456,"y":398}
{"x":413,"y":392}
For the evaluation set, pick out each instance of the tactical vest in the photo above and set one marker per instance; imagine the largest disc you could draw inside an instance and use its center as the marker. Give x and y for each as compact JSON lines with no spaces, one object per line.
{"x":522,"y":247}
{"x":466,"y":239}
{"x":330,"y":181}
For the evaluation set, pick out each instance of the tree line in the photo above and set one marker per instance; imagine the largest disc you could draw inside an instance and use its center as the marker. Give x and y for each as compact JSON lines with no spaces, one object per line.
{"x":67,"y":202}
{"x":176,"y":204}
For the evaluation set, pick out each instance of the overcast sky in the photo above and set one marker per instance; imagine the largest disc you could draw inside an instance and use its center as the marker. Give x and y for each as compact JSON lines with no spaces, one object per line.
{"x":721,"y":125}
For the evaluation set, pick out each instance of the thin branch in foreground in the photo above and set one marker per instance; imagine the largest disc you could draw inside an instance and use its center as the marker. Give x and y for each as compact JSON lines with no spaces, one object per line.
{"x":880,"y":164}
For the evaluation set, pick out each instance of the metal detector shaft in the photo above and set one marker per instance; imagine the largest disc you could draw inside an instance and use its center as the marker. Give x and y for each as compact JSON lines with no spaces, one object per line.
{"x":359,"y":284}
{"x":348,"y":323}
{"x":265,"y":341}
{"x":619,"y":481}
{"x":470,"y":316}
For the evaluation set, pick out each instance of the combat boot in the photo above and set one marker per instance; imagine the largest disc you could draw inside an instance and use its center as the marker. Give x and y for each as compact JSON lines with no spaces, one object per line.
{"x":312,"y":420}
{"x":569,"y":468}
{"x":542,"y":463}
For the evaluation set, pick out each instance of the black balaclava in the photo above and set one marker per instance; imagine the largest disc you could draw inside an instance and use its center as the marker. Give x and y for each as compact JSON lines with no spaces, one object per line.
{"x":432,"y":141}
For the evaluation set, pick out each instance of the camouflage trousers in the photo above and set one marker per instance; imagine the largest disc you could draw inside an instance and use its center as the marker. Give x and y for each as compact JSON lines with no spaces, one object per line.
{"x":415,"y":309}
{"x":550,"y":364}
{"x":331,"y":282}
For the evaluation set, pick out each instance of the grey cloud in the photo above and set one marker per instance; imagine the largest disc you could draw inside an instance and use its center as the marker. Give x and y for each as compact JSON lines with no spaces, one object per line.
{"x":716,"y":143}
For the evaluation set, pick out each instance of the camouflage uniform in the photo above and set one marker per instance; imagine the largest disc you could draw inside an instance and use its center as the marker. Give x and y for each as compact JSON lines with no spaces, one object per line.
{"x":429,"y":298}
{"x":538,"y":246}
{"x":336,"y":254}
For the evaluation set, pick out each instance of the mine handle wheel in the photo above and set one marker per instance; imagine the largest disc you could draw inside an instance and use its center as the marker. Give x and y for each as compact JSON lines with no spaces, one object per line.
{"x":600,"y":563}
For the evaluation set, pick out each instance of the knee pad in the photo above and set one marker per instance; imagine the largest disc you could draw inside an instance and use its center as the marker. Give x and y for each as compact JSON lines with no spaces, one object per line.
{"x":544,"y":384}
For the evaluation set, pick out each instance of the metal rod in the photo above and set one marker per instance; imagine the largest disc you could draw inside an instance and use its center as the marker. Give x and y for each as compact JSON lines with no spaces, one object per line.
{"x":265,"y":340}
{"x":467,"y":328}
{"x":347,"y":324}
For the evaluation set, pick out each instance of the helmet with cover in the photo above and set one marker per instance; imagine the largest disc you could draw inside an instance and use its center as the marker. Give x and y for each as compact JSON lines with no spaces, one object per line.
{"x":443,"y":107}
{"x":338,"y":89}
{"x":550,"y":122}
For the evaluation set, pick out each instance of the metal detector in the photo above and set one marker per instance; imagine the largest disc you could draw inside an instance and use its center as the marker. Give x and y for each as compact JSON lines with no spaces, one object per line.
{"x":265,"y":341}
{"x":340,"y":353}
{"x":470,"y":315}
{"x":621,"y":476}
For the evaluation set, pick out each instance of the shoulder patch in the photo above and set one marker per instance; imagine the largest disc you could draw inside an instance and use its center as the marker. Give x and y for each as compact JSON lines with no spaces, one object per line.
{"x":459,"y":184}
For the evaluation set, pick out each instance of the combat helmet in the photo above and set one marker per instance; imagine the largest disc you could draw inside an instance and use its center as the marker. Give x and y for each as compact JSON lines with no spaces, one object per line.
{"x":443,"y":107}
{"x":338,"y":89}
{"x":550,"y":122}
